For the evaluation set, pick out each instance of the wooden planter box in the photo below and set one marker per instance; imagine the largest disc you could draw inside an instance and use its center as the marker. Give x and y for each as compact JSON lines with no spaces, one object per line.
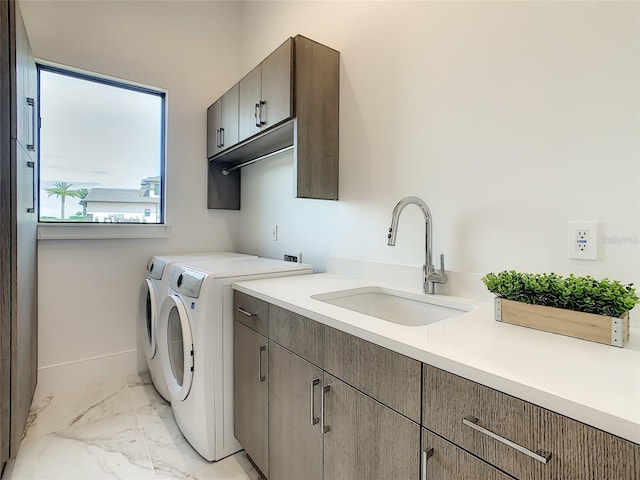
{"x":588,"y":326}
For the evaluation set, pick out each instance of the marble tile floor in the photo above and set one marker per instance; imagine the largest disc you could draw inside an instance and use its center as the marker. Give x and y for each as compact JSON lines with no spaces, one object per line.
{"x":117,"y":429}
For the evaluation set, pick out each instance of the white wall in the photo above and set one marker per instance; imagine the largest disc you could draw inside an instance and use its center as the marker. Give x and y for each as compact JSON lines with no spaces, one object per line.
{"x":509,"y":119}
{"x":88,"y":290}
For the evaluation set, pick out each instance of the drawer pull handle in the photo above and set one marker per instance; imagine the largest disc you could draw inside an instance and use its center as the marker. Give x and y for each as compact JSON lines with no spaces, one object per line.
{"x":314,"y":383}
{"x":32,"y":103}
{"x":325,"y":428}
{"x":426,"y":454}
{"x":261,"y":377}
{"x":541,"y":456}
{"x":245,"y":312}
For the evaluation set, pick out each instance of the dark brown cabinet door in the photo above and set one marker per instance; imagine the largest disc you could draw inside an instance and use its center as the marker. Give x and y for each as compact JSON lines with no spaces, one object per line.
{"x":26,"y":89}
{"x":214,"y":123}
{"x":250,"y":393}
{"x":250,"y":91}
{"x":229,"y":118}
{"x":18,"y":301}
{"x":222,"y":123}
{"x":276,"y":86}
{"x":6,"y":235}
{"x":265,"y":93}
{"x":295,"y":435}
{"x":365,"y":439}
{"x":445,"y":461}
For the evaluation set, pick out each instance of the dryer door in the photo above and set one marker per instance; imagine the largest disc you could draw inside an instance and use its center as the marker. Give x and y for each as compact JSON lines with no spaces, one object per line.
{"x":177,"y":340}
{"x":149,"y":320}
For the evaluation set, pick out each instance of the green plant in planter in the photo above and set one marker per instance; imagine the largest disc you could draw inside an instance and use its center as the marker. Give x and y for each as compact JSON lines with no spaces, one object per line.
{"x":583,"y":294}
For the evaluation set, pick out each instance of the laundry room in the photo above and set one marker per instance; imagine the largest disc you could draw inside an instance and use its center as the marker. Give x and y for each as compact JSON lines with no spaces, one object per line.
{"x":506,"y":129}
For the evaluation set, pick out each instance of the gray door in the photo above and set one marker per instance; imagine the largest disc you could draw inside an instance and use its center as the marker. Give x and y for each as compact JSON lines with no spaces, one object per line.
{"x":249,"y":96}
{"x":365,"y":439}
{"x":276,"y":86}
{"x":229,"y":118}
{"x":18,"y":217}
{"x":295,"y":434}
{"x":214,"y":123}
{"x":250,"y":394}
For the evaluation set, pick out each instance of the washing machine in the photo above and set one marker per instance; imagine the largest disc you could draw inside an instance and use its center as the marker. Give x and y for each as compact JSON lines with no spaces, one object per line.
{"x":195,"y":332}
{"x":154,"y":290}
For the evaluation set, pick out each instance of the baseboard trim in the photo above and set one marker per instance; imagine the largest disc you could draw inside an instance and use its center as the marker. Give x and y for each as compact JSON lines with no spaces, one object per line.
{"x":52,"y":378}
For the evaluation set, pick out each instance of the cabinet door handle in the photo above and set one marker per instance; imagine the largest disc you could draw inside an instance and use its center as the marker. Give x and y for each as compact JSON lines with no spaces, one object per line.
{"x":312,"y":390}
{"x":32,"y":103}
{"x":222,"y":137}
{"x":541,"y":455}
{"x":217,"y":138}
{"x":261,"y":377}
{"x":326,"y":389}
{"x":426,"y":454}
{"x":258,"y":114}
{"x":32,"y":166}
{"x":246,"y":313}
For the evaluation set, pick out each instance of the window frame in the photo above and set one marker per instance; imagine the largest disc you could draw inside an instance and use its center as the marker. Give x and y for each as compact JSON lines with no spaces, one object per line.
{"x":68,"y":229}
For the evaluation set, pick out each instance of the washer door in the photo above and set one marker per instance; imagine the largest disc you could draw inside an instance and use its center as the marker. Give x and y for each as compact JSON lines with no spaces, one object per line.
{"x":178,"y":342}
{"x":149,"y":320}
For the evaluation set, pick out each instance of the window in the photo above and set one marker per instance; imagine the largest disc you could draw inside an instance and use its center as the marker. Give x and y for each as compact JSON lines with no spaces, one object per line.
{"x":101,"y":149}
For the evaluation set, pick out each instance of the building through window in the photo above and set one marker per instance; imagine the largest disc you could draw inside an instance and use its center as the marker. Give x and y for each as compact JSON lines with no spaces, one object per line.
{"x":101,"y":149}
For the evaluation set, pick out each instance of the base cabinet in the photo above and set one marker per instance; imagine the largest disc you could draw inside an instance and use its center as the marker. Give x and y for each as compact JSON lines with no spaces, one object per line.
{"x":319,"y":426}
{"x":251,"y":394}
{"x":295,"y":433}
{"x":342,"y":408}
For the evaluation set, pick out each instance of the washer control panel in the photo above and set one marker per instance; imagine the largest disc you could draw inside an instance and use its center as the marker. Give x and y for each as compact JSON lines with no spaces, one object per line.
{"x":155,"y":268}
{"x":186,"y":282}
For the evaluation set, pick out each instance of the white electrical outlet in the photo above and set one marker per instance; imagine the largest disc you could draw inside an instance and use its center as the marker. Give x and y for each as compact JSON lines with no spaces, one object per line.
{"x":583,"y":240}
{"x":274,"y":233}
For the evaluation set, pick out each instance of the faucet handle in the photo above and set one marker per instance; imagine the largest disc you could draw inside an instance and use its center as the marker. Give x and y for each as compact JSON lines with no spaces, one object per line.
{"x":442,"y":263}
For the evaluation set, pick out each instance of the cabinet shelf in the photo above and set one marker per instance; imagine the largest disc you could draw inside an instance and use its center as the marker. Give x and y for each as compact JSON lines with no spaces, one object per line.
{"x":296,"y":105}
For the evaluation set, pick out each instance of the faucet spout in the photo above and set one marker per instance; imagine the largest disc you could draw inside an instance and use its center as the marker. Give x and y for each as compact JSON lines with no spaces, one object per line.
{"x":431,"y":277}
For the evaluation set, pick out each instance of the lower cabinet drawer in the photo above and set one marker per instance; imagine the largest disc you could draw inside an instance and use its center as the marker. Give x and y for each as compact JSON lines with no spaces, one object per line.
{"x":522,"y":439}
{"x":297,"y":334}
{"x":385,"y":375}
{"x":442,"y":460}
{"x":252,"y":312}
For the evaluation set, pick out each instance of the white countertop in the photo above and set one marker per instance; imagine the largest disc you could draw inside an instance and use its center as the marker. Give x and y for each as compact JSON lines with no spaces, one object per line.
{"x":596,"y":384}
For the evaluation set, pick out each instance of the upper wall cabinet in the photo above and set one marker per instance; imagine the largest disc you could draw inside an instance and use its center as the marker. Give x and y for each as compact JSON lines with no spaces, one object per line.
{"x":265,"y":93}
{"x":222,"y":123}
{"x":290,"y":100}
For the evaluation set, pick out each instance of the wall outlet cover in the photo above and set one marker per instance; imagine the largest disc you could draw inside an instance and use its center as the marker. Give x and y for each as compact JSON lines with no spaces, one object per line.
{"x":583,"y":240}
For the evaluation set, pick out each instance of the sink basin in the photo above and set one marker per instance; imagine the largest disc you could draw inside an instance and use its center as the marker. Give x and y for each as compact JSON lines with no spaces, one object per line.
{"x":395,"y":306}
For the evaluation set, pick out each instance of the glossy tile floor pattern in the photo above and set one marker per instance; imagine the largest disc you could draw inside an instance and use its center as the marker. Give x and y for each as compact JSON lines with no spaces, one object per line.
{"x":117,"y":429}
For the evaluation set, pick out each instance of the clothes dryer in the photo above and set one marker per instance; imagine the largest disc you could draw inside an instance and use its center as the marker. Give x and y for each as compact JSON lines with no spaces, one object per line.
{"x":195,"y":333}
{"x":154,"y":290}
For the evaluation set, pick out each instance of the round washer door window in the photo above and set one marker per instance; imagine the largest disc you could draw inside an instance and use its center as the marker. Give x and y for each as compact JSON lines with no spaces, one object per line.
{"x":149,"y":321}
{"x":179,"y":344}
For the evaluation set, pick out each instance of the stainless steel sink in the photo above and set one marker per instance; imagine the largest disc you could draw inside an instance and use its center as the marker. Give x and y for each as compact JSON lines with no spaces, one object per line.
{"x":395,"y":306}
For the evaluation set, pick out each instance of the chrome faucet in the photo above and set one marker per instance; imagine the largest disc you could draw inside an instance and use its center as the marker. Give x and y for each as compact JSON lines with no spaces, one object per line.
{"x":431,"y":276}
